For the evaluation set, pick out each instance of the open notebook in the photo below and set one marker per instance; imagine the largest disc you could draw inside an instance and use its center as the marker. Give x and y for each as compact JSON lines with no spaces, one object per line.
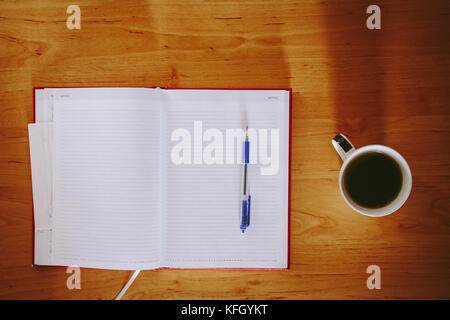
{"x":143,"y":178}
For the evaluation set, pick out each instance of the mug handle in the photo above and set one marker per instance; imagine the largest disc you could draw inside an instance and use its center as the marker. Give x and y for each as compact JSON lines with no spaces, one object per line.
{"x":343,"y":146}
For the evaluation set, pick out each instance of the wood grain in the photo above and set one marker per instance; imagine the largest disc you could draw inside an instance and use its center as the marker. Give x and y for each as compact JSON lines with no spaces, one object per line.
{"x":388,"y":86}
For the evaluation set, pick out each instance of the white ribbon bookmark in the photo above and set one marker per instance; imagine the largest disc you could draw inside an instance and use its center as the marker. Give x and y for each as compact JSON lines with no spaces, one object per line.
{"x":129,"y":283}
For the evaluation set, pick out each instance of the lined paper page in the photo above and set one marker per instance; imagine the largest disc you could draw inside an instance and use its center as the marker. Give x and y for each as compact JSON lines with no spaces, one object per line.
{"x":202,"y":201}
{"x":106,"y":178}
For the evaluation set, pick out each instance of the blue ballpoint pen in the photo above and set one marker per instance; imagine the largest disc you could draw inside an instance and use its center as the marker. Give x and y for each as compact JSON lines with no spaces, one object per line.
{"x":246,"y":198}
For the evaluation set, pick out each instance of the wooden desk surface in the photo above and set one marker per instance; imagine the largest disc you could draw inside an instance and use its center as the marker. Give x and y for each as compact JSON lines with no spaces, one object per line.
{"x":388,"y":86}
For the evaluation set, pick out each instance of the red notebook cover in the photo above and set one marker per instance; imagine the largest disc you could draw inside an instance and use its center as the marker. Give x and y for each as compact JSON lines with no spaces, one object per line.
{"x":171,"y":88}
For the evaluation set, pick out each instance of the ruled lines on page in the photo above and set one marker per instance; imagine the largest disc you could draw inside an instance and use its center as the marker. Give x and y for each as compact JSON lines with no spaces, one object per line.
{"x":106,"y":178}
{"x":202,"y":205}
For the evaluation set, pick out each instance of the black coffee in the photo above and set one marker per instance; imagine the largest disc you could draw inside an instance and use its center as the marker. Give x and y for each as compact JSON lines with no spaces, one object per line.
{"x":372,"y":180}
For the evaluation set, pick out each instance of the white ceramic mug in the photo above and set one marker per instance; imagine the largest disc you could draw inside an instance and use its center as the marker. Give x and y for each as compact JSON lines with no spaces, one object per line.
{"x":347,"y":152}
